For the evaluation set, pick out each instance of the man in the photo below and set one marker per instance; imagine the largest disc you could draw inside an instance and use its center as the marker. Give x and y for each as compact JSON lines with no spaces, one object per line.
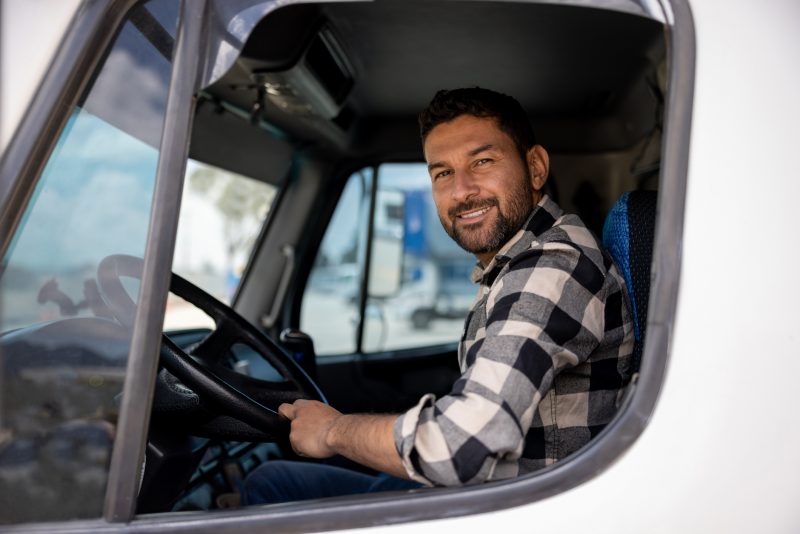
{"x":546,"y":349}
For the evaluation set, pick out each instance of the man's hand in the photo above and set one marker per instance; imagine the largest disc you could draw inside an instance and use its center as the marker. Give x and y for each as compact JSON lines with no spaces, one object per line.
{"x":311,"y":423}
{"x":319,"y":431}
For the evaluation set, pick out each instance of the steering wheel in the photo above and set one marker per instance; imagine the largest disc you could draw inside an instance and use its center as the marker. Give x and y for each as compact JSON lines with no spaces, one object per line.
{"x":209,"y":394}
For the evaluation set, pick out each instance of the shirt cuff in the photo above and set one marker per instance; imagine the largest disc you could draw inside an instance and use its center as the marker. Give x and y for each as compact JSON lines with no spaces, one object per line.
{"x":405,"y":434}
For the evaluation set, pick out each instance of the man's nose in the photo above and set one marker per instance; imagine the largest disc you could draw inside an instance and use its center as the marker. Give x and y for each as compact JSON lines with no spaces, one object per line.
{"x":465,"y":186}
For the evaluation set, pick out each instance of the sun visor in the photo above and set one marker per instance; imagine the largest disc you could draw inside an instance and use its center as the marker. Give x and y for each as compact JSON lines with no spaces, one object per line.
{"x":224,"y":139}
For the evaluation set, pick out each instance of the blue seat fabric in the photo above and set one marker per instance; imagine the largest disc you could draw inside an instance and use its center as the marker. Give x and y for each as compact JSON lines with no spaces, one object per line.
{"x":628,"y":236}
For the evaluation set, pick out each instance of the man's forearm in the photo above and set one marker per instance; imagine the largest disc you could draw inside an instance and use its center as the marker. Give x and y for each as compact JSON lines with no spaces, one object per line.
{"x":368,"y":440}
{"x":320,"y":431}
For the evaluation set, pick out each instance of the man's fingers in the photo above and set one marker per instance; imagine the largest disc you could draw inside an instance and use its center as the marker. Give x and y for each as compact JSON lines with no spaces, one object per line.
{"x":287,"y":411}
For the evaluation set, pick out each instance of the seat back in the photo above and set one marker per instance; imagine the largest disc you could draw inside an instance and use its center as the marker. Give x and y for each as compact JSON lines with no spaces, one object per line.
{"x":628,"y":236}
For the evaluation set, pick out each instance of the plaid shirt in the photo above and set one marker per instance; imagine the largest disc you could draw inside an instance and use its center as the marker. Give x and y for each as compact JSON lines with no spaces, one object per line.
{"x":545,"y":356}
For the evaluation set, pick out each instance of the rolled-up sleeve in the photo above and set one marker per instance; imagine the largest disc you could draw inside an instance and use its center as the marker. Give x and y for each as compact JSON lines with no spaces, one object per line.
{"x":544,"y":313}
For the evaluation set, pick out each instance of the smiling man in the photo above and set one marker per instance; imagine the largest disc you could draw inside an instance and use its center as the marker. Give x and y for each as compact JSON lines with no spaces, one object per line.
{"x":546,"y":348}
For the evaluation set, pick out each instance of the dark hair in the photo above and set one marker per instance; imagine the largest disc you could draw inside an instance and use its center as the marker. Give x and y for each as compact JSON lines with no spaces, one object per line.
{"x":450,"y":104}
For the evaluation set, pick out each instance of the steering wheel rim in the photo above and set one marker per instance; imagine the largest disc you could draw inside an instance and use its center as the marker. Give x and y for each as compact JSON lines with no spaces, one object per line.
{"x":233,"y":393}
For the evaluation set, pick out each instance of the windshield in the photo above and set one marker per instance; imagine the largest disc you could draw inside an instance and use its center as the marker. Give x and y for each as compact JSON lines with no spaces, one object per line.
{"x":221,"y":217}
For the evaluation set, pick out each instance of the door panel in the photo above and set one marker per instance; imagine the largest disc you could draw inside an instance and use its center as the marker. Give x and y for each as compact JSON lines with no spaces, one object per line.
{"x":386,"y":383}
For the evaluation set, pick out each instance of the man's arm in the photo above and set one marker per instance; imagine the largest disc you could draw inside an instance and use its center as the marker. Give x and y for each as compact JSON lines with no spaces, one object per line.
{"x":319,"y":431}
{"x":543,"y":314}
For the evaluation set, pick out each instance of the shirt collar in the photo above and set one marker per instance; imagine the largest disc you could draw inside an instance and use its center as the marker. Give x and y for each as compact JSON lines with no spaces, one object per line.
{"x":541,"y":219}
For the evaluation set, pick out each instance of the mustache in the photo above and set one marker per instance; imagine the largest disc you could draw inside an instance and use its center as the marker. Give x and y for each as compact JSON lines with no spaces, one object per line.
{"x":475,"y":204}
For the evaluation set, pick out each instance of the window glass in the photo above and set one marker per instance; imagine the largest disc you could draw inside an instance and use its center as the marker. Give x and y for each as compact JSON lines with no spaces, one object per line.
{"x":419,"y":287}
{"x":419,"y":291}
{"x":221,"y":216}
{"x":62,"y":356}
{"x":329,"y":312}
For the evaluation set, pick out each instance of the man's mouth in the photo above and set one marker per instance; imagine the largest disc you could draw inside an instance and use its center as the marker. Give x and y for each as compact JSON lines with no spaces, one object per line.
{"x":473,"y":214}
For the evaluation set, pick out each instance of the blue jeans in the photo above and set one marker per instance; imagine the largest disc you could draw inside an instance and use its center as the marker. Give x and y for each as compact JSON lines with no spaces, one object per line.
{"x":282,"y":481}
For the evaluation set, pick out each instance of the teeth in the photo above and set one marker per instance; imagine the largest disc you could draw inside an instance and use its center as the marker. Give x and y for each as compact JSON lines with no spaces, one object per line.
{"x":474,"y":214}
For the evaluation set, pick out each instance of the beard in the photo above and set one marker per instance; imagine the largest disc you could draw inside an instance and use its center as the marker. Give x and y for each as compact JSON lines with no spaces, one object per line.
{"x":491,"y":235}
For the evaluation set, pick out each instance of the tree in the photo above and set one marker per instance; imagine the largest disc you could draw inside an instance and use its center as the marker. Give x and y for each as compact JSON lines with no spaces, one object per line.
{"x":242,"y":202}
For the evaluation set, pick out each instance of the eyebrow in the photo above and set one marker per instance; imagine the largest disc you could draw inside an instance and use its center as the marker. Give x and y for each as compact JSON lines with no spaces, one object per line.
{"x":476,"y":151}
{"x":473,"y":152}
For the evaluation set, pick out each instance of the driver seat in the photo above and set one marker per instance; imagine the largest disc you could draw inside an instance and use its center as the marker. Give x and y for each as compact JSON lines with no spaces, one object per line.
{"x":628,"y":236}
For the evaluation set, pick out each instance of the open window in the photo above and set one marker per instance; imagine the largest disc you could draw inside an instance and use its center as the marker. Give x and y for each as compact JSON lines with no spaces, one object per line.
{"x":605,"y":89}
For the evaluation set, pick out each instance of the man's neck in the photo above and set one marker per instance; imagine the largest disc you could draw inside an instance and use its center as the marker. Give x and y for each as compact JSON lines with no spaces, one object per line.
{"x":485,"y":259}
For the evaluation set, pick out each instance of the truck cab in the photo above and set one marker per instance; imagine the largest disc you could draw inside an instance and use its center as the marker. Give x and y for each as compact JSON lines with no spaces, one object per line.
{"x":213,"y":207}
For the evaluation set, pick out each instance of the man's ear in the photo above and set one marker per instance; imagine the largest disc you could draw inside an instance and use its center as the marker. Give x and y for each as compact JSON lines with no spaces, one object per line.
{"x":538,"y":166}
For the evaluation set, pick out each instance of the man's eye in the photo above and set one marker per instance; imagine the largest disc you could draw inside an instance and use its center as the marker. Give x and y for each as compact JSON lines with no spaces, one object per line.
{"x":483,"y":161}
{"x":442,"y":174}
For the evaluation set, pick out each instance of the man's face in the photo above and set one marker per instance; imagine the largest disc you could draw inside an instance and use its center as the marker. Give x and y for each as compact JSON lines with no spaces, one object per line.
{"x":483,"y":187}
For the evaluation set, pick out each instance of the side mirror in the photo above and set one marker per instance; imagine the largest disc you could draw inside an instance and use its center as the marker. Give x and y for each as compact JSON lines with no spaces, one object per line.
{"x":388,"y":242}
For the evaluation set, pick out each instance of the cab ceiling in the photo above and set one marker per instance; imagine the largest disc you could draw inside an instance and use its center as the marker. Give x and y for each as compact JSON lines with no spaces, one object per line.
{"x":574,"y":69}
